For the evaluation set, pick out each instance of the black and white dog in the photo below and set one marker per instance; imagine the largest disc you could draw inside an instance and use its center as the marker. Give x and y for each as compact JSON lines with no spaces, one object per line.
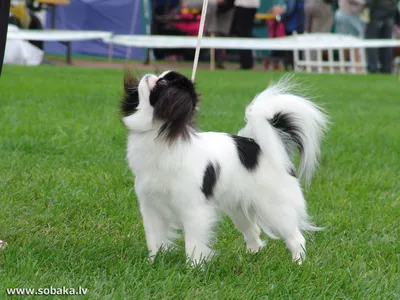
{"x":185,"y":177}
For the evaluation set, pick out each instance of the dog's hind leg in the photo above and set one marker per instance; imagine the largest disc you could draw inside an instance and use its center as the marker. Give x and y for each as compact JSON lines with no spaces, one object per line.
{"x":283,"y":220}
{"x":284,"y":214}
{"x":247,"y":225}
{"x":296,"y":243}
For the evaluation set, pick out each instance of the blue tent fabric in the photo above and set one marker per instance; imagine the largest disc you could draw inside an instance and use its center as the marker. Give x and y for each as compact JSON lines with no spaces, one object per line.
{"x":104,"y":15}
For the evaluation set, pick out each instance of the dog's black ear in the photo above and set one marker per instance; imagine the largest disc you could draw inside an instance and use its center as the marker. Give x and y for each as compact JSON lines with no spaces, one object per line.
{"x":130,"y":98}
{"x":176,"y":107}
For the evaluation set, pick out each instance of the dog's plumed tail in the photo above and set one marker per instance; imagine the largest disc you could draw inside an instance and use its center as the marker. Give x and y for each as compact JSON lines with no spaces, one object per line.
{"x":280,"y":121}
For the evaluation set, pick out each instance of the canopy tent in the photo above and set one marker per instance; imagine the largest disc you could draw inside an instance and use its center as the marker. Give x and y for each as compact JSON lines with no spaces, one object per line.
{"x":117,"y":16}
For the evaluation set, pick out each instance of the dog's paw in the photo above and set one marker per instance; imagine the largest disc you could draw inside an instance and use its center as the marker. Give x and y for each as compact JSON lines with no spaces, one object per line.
{"x":201,"y":260}
{"x":256,"y":247}
{"x":299,"y":261}
{"x":299,"y":258}
{"x":150,"y":259}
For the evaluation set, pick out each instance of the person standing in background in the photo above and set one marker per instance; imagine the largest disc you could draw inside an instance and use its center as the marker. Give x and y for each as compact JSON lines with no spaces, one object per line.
{"x":225,"y":16}
{"x":219,"y":18}
{"x":245,"y":11}
{"x":348,"y":21}
{"x":348,"y":18}
{"x":318,"y":16}
{"x":382,"y":15}
{"x":293,"y":18}
{"x":318,"y":19}
{"x":215,"y":23}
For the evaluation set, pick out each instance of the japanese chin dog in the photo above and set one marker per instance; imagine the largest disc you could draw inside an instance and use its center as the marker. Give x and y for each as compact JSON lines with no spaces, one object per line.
{"x":185,"y":178}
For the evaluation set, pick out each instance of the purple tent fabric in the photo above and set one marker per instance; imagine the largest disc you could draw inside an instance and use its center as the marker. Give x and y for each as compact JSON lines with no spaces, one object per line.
{"x":105,"y":15}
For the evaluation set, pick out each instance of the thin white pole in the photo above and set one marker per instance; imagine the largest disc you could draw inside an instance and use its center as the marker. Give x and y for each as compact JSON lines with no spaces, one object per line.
{"x":199,"y":36}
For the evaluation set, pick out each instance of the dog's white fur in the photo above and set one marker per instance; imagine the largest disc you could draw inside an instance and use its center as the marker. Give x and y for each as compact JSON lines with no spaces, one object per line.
{"x":268,"y":199}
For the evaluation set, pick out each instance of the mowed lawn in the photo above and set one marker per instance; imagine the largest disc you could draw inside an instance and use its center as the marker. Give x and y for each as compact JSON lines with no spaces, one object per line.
{"x":69,"y":213}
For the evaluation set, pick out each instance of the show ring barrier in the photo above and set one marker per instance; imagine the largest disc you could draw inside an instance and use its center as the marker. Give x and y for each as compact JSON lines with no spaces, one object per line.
{"x":311,"y":46}
{"x":308,"y":49}
{"x":58,"y":35}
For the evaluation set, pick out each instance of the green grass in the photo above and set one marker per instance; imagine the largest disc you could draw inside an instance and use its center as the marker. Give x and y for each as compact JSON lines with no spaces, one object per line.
{"x":70,"y":217}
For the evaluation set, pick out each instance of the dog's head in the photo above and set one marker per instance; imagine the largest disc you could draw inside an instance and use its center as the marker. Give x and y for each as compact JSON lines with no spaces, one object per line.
{"x":166,"y":103}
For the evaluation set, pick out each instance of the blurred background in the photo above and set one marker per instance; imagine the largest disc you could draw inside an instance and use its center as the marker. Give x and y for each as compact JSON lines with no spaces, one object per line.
{"x":370,"y":19}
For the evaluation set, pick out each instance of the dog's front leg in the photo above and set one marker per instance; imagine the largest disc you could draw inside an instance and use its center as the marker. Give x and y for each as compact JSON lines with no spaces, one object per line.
{"x":198,"y":227}
{"x":156,"y":229}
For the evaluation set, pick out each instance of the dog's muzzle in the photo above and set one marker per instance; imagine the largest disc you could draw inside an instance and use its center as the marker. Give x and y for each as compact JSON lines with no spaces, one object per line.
{"x":151,"y":80}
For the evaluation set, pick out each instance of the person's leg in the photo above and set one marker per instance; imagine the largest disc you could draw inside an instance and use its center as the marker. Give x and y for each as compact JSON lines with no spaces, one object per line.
{"x":372,"y":32}
{"x":357,"y":28}
{"x":311,"y":19}
{"x":308,"y":15}
{"x":224,"y":25}
{"x":224,"y":22}
{"x":323,"y":19}
{"x":386,"y":54}
{"x":348,"y":25}
{"x":244,"y":18}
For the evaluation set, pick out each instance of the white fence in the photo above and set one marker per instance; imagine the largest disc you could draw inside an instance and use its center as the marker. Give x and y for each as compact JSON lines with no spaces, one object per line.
{"x":308,"y":49}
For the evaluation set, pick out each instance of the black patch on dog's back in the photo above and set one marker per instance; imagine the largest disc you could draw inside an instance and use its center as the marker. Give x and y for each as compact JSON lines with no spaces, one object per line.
{"x":248,"y":151}
{"x":210,"y":178}
{"x":130,"y":99}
